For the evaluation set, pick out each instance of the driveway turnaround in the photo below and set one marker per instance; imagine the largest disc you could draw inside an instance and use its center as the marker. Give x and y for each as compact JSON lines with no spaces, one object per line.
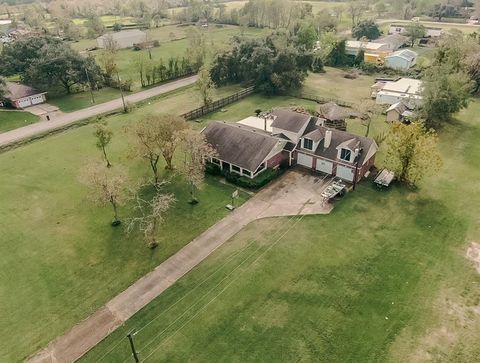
{"x":22,"y":133}
{"x":295,"y":193}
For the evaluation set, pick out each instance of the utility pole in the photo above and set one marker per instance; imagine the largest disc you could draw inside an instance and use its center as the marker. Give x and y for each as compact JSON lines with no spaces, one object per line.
{"x":132,"y":346}
{"x":90,"y":83}
{"x":121,"y":92}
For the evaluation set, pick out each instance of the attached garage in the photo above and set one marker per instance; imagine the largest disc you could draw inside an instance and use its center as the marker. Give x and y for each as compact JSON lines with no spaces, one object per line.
{"x":345,"y":173}
{"x":324,"y":166}
{"x":305,"y":160}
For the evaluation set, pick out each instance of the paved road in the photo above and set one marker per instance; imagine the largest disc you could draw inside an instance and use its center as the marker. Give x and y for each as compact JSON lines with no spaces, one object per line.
{"x":296,"y":193}
{"x":41,"y":127}
{"x":426,"y":23}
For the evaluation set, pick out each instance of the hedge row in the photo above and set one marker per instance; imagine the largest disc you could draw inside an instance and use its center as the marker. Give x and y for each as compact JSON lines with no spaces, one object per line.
{"x":242,"y":181}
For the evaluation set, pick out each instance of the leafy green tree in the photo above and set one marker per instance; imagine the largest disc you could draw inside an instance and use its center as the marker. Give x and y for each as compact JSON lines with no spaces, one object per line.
{"x":103,"y":135}
{"x":338,"y":56}
{"x":307,"y":36}
{"x":444,"y":93}
{"x":411,"y":152}
{"x":366,"y":28}
{"x":46,"y":63}
{"x":19,"y":56}
{"x":205,"y":85}
{"x":94,"y":26}
{"x":3,"y":87}
{"x":270,"y":63}
{"x":64,"y":67}
{"x":414,"y":32}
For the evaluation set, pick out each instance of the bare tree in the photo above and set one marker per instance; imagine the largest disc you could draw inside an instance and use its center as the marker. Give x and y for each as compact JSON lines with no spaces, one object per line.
{"x":151,"y":214}
{"x":157,"y":136}
{"x":197,"y":151}
{"x":355,"y":9}
{"x":106,"y":187}
{"x":103,"y":135}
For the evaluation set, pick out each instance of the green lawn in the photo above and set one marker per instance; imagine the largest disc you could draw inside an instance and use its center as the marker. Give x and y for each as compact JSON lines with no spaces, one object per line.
{"x":60,"y":260}
{"x":333,"y":84}
{"x":10,"y":120}
{"x":77,"y":101}
{"x":382,"y":278}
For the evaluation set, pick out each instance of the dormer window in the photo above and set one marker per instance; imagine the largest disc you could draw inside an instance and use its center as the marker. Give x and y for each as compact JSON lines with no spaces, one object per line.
{"x":345,"y":154}
{"x":308,"y":144}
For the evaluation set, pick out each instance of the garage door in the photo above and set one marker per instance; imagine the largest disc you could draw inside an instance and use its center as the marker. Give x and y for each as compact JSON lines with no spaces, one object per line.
{"x":24,"y":102}
{"x":305,"y":160}
{"x":324,"y":166}
{"x":345,"y":173}
{"x":36,"y":100}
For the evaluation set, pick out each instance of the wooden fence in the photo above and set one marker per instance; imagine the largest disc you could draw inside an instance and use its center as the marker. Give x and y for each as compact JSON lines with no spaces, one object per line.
{"x":217,"y":105}
{"x":320,"y":99}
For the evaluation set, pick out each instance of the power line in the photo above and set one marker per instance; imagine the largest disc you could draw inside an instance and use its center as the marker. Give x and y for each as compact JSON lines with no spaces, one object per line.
{"x":210,"y":290}
{"x":228,"y":260}
{"x":224,"y":289}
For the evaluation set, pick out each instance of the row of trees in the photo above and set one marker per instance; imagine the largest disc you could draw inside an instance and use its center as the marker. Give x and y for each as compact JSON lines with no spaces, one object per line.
{"x":154,"y":138}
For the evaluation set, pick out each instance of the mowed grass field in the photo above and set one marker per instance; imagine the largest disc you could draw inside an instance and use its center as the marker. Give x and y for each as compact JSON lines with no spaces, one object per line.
{"x":382,"y":278}
{"x":60,"y":259}
{"x":10,"y":120}
{"x":333,"y":84}
{"x":217,"y":38}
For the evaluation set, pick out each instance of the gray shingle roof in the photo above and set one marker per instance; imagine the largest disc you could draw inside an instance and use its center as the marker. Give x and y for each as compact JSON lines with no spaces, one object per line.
{"x":240,"y":145}
{"x":289,"y":120}
{"x":16,"y":91}
{"x":367,"y":146}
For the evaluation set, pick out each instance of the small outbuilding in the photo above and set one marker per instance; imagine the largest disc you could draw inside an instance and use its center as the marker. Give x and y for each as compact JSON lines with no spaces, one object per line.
{"x":401,"y":60}
{"x":21,"y":96}
{"x":122,"y":39}
{"x":399,"y":111}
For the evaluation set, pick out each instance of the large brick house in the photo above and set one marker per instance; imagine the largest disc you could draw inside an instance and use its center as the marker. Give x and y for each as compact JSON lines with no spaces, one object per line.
{"x":292,"y":138}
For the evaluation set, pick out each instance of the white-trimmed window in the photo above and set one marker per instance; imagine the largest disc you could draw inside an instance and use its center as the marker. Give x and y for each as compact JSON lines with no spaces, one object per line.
{"x":236,"y":169}
{"x":216,"y":161}
{"x":260,"y":168}
{"x":308,"y":144}
{"x":345,"y":154}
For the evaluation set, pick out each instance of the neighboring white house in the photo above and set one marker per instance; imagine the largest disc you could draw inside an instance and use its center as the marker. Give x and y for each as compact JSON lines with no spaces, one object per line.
{"x":401,"y":60}
{"x":405,"y":89}
{"x":122,"y":39}
{"x":21,"y":96}
{"x":353,"y":47}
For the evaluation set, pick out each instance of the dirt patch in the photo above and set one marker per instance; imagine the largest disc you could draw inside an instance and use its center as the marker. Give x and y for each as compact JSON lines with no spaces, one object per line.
{"x":473,"y":255}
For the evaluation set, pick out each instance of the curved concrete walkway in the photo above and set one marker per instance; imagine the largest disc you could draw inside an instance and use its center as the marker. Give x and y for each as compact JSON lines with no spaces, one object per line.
{"x":295,"y":193}
{"x":22,"y":133}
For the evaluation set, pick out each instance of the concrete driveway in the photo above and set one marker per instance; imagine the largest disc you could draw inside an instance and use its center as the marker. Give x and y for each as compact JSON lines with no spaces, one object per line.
{"x":295,"y":193}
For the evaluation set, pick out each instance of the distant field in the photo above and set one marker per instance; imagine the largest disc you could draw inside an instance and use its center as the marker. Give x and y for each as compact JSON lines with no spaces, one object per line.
{"x":10,"y":120}
{"x":218,"y":37}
